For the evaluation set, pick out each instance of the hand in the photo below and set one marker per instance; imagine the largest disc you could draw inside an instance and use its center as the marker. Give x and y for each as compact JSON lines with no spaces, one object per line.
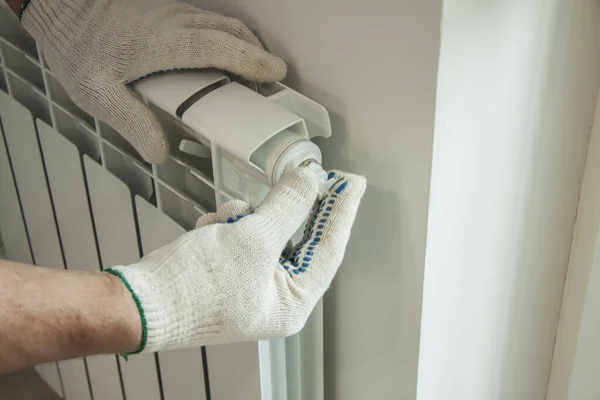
{"x":96,"y":47}
{"x":232,"y":279}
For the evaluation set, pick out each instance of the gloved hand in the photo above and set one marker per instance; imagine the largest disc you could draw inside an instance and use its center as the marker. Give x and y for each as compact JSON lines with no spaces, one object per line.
{"x":96,"y":47}
{"x":232,"y":279}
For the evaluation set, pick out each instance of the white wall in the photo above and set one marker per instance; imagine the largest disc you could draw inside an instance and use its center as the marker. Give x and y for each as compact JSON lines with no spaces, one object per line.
{"x":576,"y":360}
{"x":518,"y":82}
{"x":374,"y":66}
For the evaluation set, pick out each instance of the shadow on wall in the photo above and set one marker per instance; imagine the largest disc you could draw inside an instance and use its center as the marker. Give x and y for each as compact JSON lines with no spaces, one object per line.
{"x":371,"y":256}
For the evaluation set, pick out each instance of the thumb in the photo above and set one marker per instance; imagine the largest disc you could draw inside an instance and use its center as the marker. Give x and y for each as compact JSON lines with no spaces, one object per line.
{"x":288,"y":205}
{"x":120,"y":109}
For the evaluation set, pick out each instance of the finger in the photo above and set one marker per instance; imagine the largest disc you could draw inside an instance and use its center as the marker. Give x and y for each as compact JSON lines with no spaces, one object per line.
{"x":208,"y":48}
{"x":288,"y":205}
{"x":187,"y":8}
{"x":120,"y":109}
{"x":230,"y":212}
{"x":195,"y":18}
{"x":232,"y":26}
{"x":207,"y":219}
{"x":318,"y":257}
{"x":183,"y":8}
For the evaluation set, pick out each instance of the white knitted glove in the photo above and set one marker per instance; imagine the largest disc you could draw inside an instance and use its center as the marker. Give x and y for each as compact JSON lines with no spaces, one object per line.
{"x":230,"y":280}
{"x":96,"y":47}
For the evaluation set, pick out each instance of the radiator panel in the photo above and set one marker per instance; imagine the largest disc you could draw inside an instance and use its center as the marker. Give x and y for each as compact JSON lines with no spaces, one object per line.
{"x":67,"y":186}
{"x":94,"y":175}
{"x":112,"y":207}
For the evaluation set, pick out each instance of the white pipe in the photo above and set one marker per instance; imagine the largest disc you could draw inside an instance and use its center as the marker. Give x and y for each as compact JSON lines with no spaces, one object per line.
{"x":516,"y":97}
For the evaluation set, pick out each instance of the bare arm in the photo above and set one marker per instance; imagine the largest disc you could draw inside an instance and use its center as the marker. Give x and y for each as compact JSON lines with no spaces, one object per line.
{"x":15,"y":5}
{"x":50,"y":315}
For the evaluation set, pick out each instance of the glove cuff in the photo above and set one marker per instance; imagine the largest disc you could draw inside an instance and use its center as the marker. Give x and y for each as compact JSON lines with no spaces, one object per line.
{"x":138,"y":304}
{"x":171,"y":317}
{"x":23,"y":8}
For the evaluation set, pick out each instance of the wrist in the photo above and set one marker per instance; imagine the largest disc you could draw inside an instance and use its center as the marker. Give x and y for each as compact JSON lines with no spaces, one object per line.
{"x":176,"y":310}
{"x":152,"y":293}
{"x":128,"y":321}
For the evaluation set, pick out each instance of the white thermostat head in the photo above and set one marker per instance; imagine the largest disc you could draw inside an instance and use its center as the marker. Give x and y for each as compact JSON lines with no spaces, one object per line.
{"x":263,"y":134}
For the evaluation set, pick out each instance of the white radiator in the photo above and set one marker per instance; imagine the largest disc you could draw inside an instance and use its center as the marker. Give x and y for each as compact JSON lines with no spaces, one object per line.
{"x":74,"y":194}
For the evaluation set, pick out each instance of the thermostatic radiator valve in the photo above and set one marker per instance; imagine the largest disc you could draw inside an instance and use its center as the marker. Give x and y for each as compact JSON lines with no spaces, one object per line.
{"x":264,"y":133}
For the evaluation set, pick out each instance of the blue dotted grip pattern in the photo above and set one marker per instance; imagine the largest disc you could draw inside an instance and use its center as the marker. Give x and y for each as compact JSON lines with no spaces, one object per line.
{"x":301,"y":256}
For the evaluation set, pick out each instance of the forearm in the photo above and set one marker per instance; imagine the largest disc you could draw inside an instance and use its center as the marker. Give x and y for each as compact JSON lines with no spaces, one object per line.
{"x":15,"y":5}
{"x":50,"y":315}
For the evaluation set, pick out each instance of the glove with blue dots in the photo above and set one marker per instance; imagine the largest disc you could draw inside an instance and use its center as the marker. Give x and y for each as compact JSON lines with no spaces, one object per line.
{"x":235,"y":278}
